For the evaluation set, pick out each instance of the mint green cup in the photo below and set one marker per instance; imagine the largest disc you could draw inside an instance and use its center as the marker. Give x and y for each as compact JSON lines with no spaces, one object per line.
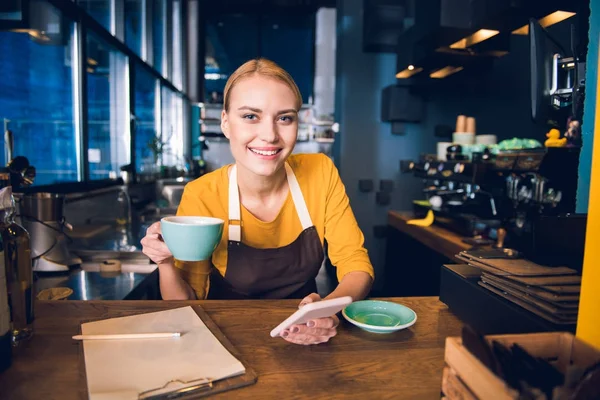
{"x":191,"y":238}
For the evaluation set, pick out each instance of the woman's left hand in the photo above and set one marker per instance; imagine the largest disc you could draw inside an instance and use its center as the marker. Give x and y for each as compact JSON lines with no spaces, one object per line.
{"x":314,"y":331}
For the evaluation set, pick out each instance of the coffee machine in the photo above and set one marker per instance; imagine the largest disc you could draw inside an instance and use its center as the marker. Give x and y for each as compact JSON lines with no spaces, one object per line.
{"x":462,"y":193}
{"x":523,"y":199}
{"x":543,"y":224}
{"x":42,"y":216}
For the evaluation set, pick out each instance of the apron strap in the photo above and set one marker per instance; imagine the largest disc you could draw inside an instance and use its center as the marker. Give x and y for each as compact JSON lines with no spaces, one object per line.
{"x":235,"y":219}
{"x":235,"y":223}
{"x":301,"y":208}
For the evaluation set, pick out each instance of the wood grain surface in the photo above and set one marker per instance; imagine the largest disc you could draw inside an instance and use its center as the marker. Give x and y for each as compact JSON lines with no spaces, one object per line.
{"x":353,"y":365}
{"x":435,"y":237}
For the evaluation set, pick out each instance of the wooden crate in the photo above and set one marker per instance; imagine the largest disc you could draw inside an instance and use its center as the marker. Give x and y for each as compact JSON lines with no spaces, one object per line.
{"x":559,"y":348}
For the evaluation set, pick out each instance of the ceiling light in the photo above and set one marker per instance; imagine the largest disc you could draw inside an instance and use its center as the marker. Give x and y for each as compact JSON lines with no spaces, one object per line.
{"x":477,"y":37}
{"x":444,"y":72}
{"x":408,"y":72}
{"x":34,"y":33}
{"x":548,"y":20}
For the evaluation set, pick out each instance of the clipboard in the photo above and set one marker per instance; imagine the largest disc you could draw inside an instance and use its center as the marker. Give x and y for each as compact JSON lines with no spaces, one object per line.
{"x":190,"y":389}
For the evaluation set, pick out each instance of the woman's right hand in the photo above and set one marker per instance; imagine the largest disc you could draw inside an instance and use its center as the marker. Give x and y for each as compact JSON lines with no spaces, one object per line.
{"x":154,"y":246}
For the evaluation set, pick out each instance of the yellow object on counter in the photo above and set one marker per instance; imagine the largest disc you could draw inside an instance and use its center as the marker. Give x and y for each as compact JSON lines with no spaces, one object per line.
{"x":58,"y":293}
{"x":554,"y":139}
{"x":427,"y":221}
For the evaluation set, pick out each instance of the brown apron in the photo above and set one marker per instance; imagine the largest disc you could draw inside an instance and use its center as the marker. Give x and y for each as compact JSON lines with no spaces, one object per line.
{"x":274,"y":273}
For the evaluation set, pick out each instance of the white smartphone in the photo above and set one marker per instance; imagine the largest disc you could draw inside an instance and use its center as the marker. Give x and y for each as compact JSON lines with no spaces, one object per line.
{"x":319,"y":309}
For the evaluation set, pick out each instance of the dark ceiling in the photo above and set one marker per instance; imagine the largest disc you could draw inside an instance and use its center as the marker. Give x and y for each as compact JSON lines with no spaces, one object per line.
{"x":266,"y":6}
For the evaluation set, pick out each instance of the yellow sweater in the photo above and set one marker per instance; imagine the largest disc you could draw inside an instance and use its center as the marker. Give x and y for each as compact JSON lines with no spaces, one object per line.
{"x":328,"y":206}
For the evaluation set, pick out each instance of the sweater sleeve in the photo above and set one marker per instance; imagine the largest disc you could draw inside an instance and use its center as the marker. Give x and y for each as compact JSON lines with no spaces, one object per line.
{"x":195,"y":273}
{"x":344,"y":238}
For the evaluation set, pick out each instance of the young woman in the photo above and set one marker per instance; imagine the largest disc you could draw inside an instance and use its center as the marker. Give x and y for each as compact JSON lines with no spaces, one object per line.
{"x":278,"y":209}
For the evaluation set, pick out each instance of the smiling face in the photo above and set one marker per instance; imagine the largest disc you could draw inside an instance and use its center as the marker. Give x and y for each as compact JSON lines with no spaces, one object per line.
{"x":261,"y":124}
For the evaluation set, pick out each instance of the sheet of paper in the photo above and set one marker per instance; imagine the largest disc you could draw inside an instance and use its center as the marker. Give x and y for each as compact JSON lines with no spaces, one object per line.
{"x":120,"y":369}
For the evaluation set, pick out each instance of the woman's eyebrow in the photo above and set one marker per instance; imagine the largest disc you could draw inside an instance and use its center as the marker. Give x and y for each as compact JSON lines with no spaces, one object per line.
{"x":256,"y":110}
{"x":289,"y":110}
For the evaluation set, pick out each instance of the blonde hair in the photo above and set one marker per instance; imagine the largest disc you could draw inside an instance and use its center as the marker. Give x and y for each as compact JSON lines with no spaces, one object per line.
{"x":262,"y":67}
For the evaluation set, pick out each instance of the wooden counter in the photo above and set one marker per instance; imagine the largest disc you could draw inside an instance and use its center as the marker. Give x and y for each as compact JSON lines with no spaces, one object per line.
{"x":353,"y":365}
{"x":435,"y":237}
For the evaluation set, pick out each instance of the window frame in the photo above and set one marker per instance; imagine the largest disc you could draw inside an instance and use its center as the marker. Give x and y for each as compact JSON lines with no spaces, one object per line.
{"x":84,"y":23}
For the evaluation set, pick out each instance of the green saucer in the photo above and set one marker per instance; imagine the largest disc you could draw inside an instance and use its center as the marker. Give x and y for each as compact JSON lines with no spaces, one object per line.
{"x":379,"y":316}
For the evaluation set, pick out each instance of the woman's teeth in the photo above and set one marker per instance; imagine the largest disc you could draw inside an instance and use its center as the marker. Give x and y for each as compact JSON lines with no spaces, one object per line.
{"x":265,"y":152}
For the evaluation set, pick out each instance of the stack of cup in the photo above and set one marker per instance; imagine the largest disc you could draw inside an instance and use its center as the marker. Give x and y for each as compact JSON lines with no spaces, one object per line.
{"x":465,"y":130}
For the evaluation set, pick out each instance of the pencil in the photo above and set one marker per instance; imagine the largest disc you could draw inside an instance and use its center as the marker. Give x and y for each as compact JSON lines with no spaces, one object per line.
{"x":128,"y":336}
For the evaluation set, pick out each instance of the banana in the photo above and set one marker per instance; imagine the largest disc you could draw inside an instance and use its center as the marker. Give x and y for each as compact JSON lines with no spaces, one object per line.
{"x":427,"y":221}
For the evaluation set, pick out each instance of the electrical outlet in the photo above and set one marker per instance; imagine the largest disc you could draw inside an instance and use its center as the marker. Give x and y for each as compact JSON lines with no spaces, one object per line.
{"x":365,"y":185}
{"x":383,"y":198}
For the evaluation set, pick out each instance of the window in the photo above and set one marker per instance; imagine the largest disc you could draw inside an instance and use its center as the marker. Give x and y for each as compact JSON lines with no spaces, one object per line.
{"x":177,"y":76}
{"x":108,"y":109}
{"x":100,"y":10}
{"x":159,"y":37}
{"x":146,"y":109}
{"x":135,"y":19}
{"x":172,"y":128}
{"x":37,"y":97}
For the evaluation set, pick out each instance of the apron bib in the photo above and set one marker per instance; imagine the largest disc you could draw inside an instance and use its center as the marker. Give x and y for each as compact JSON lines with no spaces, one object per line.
{"x":273,"y":273}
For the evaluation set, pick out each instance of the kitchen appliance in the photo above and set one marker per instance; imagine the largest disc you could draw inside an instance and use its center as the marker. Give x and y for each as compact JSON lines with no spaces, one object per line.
{"x":42,"y":216}
{"x":463,"y":194}
{"x":529,"y":195}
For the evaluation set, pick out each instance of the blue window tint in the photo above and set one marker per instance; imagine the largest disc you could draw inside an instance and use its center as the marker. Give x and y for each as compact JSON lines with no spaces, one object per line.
{"x":108,"y":109}
{"x":37,"y":96}
{"x":134,"y":21}
{"x":172,"y":128}
{"x":146,"y":125}
{"x":159,"y":15}
{"x":100,"y":10}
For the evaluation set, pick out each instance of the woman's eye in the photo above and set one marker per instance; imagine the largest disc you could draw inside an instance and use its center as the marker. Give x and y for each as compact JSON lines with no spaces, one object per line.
{"x":287,"y":118}
{"x":249,"y":116}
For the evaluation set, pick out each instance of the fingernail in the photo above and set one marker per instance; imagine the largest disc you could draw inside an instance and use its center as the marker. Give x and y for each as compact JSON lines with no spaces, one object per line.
{"x":284,"y":334}
{"x":310,"y":324}
{"x":295,"y":329}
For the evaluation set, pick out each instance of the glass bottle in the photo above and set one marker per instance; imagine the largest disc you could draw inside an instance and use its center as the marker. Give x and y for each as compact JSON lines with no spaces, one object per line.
{"x":123,"y":209}
{"x":16,"y":246}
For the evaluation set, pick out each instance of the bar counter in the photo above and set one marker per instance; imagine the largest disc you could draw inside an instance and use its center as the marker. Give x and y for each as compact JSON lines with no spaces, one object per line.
{"x":435,"y":237}
{"x":353,"y":365}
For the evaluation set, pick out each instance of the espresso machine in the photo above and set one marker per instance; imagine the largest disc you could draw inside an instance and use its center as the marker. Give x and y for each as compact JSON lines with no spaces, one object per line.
{"x":462,"y":193}
{"x":518,"y":199}
{"x":42,"y":216}
{"x":543,"y":224}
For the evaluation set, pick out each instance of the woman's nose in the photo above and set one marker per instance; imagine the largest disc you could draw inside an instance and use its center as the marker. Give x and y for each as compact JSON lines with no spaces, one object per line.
{"x":268,"y":133}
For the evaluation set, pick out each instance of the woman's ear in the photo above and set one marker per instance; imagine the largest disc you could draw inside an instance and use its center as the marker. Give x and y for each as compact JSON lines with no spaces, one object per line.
{"x":225,"y":123}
